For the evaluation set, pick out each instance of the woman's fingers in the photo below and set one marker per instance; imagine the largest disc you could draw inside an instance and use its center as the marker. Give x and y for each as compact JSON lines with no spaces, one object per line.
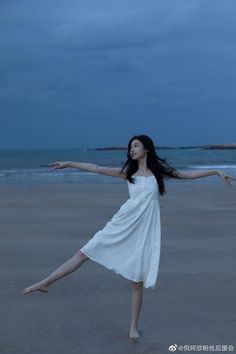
{"x":56,"y":165}
{"x":226,"y":178}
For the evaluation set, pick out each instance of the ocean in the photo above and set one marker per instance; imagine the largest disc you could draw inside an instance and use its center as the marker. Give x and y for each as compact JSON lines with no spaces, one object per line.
{"x":27,"y":167}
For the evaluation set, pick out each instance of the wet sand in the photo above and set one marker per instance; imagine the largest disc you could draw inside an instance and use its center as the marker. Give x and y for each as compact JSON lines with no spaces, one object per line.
{"x":89,"y":311}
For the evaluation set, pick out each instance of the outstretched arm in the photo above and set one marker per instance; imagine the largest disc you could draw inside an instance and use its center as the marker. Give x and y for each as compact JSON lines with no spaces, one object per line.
{"x":199,"y":174}
{"x":90,"y":167}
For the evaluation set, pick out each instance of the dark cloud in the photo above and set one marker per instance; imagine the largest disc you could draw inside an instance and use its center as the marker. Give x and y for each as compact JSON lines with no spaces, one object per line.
{"x":74,"y":73}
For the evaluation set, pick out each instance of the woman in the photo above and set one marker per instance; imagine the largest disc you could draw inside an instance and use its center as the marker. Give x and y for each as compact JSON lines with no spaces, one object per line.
{"x":130,"y":242}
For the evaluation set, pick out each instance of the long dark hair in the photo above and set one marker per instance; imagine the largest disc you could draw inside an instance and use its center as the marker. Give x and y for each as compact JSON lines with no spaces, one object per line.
{"x":156,"y":164}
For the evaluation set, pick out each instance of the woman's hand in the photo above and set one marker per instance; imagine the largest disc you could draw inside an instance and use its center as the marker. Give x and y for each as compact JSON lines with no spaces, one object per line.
{"x":226,"y":178}
{"x":58,"y":165}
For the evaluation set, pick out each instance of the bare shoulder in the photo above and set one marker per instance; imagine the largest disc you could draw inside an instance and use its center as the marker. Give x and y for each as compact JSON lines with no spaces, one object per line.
{"x":111,"y":171}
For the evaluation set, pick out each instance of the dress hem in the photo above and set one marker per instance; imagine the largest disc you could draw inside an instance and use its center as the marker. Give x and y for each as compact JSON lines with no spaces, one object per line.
{"x":117,"y":272}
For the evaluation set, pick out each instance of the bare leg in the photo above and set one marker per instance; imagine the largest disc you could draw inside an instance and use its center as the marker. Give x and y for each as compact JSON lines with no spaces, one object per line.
{"x":137,"y":299}
{"x":66,"y":268}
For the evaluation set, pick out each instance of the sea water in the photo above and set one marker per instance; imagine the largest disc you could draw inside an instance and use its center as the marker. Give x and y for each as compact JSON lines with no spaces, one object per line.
{"x":29,"y":166}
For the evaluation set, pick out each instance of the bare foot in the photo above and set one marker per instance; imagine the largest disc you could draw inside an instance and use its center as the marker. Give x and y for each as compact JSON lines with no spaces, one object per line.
{"x":133,"y":333}
{"x":40,"y":286}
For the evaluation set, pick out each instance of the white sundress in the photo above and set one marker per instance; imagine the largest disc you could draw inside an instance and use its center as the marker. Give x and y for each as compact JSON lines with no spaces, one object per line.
{"x":130,"y":242}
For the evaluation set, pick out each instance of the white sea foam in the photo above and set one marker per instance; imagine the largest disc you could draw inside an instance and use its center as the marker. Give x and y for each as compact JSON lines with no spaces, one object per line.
{"x":212,"y":166}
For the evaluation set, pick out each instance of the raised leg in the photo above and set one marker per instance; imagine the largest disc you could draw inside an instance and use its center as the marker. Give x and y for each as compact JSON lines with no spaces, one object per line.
{"x":66,"y":268}
{"x":137,"y":299}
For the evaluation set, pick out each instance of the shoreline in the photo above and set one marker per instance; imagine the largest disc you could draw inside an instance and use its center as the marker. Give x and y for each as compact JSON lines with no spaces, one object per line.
{"x":91,"y":179}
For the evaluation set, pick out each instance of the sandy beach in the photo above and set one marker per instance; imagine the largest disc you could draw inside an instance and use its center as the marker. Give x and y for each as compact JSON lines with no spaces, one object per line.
{"x":89,"y":311}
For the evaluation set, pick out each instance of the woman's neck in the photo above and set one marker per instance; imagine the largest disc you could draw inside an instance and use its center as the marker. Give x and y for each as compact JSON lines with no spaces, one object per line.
{"x":142,"y":166}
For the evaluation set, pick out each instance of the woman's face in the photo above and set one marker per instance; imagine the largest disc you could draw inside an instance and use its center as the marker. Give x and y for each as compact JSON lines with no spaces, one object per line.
{"x":137,"y":150}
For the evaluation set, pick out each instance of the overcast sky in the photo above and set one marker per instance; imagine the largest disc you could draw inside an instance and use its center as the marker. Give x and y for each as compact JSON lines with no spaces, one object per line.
{"x":94,"y":73}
